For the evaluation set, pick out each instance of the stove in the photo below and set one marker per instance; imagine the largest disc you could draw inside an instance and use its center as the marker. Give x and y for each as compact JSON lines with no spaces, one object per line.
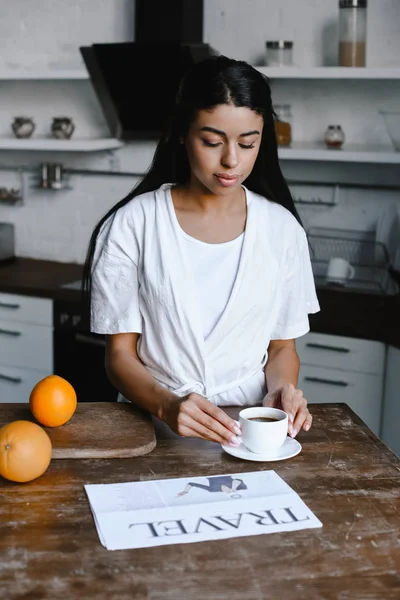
{"x":79,"y":354}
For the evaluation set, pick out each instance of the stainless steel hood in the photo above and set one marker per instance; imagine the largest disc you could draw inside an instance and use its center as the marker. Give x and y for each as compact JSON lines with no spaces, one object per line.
{"x":136,"y":82}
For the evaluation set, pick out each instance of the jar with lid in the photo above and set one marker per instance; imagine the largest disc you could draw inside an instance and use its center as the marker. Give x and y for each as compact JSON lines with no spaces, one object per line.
{"x":334,"y":136}
{"x":352,"y":33}
{"x":279,"y":54}
{"x":283,"y":124}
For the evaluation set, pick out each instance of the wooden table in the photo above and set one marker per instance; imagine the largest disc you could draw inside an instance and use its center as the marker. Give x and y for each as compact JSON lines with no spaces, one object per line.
{"x":49,"y":547}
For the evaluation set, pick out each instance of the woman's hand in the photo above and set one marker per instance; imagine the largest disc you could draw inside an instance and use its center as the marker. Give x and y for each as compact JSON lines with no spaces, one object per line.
{"x":194,"y":416}
{"x":292,"y":401}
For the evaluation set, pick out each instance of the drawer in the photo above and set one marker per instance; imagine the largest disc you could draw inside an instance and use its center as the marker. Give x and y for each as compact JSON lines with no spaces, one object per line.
{"x":17,"y":384}
{"x":26,"y":345}
{"x":25,"y":309}
{"x":361,"y":391}
{"x":339,"y":352}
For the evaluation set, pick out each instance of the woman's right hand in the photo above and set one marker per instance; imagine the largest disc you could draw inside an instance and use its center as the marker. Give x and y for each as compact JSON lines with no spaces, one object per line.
{"x":195,"y":416}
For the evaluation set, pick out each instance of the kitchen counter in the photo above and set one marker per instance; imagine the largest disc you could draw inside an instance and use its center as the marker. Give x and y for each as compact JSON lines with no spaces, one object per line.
{"x":343,"y":312}
{"x":41,"y":278}
{"x":49,"y":547}
{"x":358,"y":314}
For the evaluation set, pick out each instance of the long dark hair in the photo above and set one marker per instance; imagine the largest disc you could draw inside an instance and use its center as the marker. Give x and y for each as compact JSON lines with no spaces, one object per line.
{"x":214,"y":81}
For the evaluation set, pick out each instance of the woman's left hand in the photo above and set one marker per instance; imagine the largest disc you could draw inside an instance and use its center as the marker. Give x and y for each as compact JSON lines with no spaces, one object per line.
{"x":292,"y":401}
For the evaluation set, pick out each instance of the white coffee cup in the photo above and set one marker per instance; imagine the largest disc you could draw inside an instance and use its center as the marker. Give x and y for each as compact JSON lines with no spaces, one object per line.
{"x":339,"y":271}
{"x":263,"y":436}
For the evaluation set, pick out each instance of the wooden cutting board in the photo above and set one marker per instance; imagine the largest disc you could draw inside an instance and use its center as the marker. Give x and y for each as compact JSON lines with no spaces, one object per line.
{"x":96,"y":430}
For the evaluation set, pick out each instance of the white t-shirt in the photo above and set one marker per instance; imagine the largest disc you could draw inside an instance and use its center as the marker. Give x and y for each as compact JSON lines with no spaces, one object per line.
{"x":214,"y":268}
{"x":146,"y":281}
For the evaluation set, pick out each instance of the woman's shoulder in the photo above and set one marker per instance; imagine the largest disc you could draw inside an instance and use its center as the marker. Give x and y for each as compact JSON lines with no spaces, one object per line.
{"x":275,"y":215}
{"x":124,"y":228}
{"x":140,"y":204}
{"x":133,"y":214}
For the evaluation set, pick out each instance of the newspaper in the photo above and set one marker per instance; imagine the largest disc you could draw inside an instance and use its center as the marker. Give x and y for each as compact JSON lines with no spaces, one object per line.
{"x":195,"y":509}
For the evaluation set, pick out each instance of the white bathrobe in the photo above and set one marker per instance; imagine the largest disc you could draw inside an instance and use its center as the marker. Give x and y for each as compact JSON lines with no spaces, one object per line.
{"x":142,"y":282}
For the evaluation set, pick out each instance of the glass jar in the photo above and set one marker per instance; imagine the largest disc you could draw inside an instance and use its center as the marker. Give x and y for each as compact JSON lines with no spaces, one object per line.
{"x":283,"y":124}
{"x":334,"y":136}
{"x":352,"y":33}
{"x":279,"y":54}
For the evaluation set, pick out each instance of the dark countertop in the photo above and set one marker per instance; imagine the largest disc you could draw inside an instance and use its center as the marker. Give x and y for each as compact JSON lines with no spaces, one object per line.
{"x":343,"y":312}
{"x":41,"y":278}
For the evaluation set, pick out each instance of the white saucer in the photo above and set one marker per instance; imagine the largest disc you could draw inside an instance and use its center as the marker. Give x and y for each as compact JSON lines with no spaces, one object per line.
{"x":290,"y":448}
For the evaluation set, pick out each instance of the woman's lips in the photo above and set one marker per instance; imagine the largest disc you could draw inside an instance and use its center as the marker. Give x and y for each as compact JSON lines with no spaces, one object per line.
{"x":227,"y":180}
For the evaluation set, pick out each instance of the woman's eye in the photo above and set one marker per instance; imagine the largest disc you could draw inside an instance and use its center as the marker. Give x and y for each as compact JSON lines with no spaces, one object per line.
{"x":207,"y":143}
{"x":214,"y":145}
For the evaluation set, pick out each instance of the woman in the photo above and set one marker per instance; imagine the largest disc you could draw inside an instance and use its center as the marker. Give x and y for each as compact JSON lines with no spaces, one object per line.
{"x":202,"y":284}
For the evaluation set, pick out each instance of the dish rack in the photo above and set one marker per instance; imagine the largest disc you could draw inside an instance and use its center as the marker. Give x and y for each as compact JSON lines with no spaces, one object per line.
{"x":368,"y":257}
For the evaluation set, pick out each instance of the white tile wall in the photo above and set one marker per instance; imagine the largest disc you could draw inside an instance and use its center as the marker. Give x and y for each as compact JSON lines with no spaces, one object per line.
{"x":47,"y":34}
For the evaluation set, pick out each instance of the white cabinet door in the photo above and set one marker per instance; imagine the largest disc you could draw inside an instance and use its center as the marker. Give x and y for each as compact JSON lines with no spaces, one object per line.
{"x":26,"y":309}
{"x":26,"y":345}
{"x":339,"y":352}
{"x":391,"y":401}
{"x":16,"y":384}
{"x":26,"y":333}
{"x":362,"y":392}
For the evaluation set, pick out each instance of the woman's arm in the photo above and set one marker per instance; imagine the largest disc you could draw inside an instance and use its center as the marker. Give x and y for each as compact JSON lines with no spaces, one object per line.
{"x":128,"y":374}
{"x":190,"y":416}
{"x":281,"y":376}
{"x":283,"y":364}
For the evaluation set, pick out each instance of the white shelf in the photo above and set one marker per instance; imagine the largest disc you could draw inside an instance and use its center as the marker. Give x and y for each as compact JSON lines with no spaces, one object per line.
{"x":26,"y":75}
{"x":349,"y":153}
{"x":54,"y":145}
{"x":330,"y":72}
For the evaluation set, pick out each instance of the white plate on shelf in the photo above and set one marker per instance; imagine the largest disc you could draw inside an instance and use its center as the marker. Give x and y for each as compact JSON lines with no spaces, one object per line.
{"x":290,"y":448}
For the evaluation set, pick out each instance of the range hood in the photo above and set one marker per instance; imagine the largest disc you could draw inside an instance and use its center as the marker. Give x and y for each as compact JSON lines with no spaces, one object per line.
{"x":136,"y":82}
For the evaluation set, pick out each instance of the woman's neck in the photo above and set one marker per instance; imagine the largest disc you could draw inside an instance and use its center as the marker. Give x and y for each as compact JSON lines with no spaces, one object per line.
{"x":195,"y":198}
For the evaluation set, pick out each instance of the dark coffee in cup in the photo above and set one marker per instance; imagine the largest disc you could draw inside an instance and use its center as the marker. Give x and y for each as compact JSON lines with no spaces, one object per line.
{"x":255,"y":436}
{"x":263,"y":419}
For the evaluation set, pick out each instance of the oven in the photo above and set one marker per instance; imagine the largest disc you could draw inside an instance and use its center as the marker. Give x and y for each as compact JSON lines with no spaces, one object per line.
{"x":79,"y":354}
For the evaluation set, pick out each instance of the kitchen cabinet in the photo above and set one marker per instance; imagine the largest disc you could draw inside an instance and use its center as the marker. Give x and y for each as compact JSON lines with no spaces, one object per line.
{"x":26,"y":344}
{"x":342,"y":369}
{"x":391,"y":401}
{"x":17,"y":383}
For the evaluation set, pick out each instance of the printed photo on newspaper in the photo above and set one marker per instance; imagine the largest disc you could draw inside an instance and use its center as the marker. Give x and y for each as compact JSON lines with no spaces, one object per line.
{"x":195,"y":509}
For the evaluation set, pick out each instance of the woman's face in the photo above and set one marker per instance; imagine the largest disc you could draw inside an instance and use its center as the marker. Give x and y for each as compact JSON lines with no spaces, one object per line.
{"x":222,"y":146}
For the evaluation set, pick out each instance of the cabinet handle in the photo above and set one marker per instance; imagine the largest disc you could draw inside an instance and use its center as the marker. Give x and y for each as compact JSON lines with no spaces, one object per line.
{"x":328,"y":381}
{"x":10,"y":379}
{"x":91,"y":341}
{"x":9,"y":332}
{"x":9,"y":305}
{"x":325,"y":347}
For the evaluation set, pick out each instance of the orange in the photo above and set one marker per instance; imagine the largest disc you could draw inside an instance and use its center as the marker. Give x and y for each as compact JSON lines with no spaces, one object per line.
{"x":25,"y":451}
{"x":52,"y":401}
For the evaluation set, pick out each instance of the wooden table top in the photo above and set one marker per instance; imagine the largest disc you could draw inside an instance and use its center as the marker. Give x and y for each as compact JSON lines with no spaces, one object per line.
{"x":49,"y":546}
